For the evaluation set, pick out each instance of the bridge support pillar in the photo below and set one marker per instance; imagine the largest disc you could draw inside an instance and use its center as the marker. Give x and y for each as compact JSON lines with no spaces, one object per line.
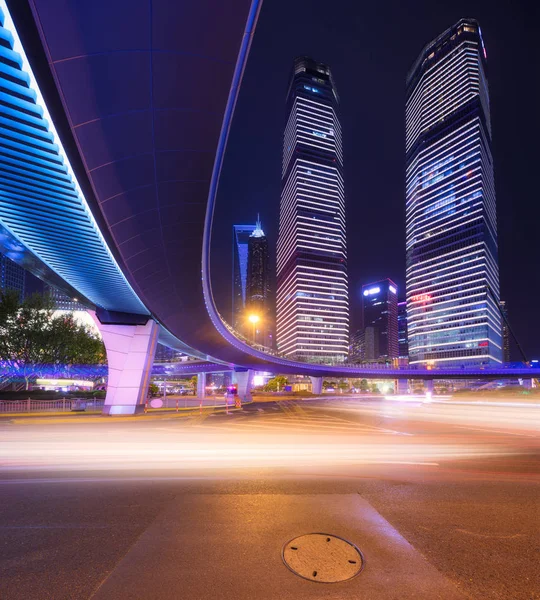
{"x":201,"y":385}
{"x":243,"y":381}
{"x":316,"y":385}
{"x":428,"y":387}
{"x":130,"y":356}
{"x":402,"y":387}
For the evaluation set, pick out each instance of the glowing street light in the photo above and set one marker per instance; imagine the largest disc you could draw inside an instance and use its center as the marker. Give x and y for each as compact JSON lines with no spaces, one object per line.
{"x":254,"y":319}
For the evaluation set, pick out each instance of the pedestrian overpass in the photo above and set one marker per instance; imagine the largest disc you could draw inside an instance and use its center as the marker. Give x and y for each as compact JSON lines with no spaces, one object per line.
{"x":114,"y":120}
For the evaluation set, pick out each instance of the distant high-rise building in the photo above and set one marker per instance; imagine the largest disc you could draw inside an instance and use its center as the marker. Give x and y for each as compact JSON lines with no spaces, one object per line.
{"x":312,"y":290}
{"x":356,"y":346}
{"x":380,"y":310}
{"x":505,"y":332}
{"x":241,"y":235}
{"x":63,"y":301}
{"x":258,"y":285}
{"x":402,"y":330}
{"x":12,"y":276}
{"x":452,"y":260}
{"x":365,"y":345}
{"x":164,"y":354}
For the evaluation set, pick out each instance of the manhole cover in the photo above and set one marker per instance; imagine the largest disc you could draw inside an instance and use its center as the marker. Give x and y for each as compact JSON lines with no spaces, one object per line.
{"x":322,"y":557}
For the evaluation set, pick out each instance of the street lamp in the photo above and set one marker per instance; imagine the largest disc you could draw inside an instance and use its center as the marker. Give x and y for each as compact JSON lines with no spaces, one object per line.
{"x":254,"y":319}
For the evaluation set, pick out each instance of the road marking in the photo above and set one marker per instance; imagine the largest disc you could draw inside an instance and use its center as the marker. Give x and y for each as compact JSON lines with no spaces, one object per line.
{"x":496,"y":431}
{"x":321,"y":423}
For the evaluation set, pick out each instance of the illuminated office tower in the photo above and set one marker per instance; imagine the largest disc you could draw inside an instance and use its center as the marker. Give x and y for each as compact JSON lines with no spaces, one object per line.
{"x":380,"y":311}
{"x":241,"y":235}
{"x":452,"y":260}
{"x":402,"y":330}
{"x":258,"y":285}
{"x":312,"y":292}
{"x":63,"y":301}
{"x":12,"y":276}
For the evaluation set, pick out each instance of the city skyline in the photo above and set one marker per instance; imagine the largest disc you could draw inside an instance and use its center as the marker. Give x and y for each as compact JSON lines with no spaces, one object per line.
{"x":381,"y":154}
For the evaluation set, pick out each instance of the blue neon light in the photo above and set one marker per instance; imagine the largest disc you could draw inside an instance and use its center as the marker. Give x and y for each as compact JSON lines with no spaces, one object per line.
{"x":41,"y":203}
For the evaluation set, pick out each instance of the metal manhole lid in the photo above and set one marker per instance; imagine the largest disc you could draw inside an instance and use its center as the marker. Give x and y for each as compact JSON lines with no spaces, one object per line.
{"x":322,"y":557}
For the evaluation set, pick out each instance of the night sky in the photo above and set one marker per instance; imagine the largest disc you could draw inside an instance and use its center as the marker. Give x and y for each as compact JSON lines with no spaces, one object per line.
{"x":370,"y":47}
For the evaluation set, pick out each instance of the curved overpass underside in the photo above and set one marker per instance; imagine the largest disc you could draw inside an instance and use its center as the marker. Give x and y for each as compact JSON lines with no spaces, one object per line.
{"x":142,"y":93}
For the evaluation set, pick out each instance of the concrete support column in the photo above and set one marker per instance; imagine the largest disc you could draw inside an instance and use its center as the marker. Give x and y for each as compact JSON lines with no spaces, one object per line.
{"x":201,"y":386}
{"x":402,"y":386}
{"x":130,"y":356}
{"x":316,"y":385}
{"x":243,"y":381}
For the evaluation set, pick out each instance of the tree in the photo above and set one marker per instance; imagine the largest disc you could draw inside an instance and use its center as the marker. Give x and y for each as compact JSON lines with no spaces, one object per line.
{"x":35,"y":341}
{"x":153,"y":389}
{"x":343,"y":385}
{"x":364,"y":385}
{"x":276,"y":384}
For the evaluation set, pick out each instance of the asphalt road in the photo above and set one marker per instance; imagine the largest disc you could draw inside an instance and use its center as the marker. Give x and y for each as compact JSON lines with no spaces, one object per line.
{"x":443,"y":501}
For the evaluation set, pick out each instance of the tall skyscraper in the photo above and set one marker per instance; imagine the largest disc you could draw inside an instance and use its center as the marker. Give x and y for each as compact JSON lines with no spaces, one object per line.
{"x":452,"y":259}
{"x":364,"y":346}
{"x":380,"y":311}
{"x":402,"y":330}
{"x":312,"y":289}
{"x":241,"y":235}
{"x":12,"y":276}
{"x":63,"y":301}
{"x":258,"y":285}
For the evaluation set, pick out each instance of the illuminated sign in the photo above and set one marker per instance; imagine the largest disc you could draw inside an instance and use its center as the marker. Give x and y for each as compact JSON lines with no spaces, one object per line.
{"x":65,"y":382}
{"x":392,"y":289}
{"x":421,"y":298}
{"x":371,"y":291}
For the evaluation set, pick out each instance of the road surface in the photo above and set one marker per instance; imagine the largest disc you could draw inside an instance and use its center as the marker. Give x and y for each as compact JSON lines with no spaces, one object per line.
{"x":443,"y":501}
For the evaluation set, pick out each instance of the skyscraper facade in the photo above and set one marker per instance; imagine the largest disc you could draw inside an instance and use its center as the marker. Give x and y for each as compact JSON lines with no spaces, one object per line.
{"x":452,"y":258}
{"x":312,"y":288}
{"x":12,"y":276}
{"x":63,"y":301}
{"x":241,"y":235}
{"x":258,"y":285}
{"x":380,"y":311}
{"x":403,"y":344}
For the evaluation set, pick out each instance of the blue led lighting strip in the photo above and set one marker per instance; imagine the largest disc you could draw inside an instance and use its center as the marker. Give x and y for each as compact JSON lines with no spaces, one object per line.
{"x":41,"y":202}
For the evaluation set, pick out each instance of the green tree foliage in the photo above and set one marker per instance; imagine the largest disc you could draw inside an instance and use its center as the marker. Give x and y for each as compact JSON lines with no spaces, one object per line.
{"x":364,"y":385}
{"x":33,"y":338}
{"x":153,"y":389}
{"x":276,"y":384}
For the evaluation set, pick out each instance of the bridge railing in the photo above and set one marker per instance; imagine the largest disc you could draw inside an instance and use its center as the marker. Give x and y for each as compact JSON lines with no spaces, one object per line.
{"x":29,"y":405}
